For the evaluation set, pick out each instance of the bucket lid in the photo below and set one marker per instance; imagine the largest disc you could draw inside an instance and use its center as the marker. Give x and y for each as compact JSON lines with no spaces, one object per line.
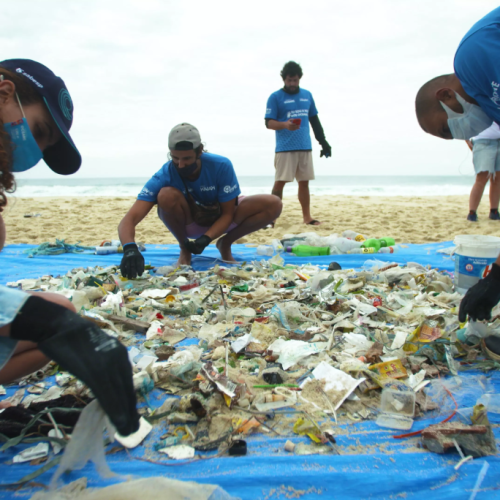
{"x":478,"y":240}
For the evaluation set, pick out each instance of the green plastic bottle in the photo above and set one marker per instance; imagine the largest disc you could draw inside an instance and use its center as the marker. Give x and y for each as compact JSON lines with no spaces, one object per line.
{"x":387,"y":242}
{"x":308,"y":251}
{"x":372,"y":243}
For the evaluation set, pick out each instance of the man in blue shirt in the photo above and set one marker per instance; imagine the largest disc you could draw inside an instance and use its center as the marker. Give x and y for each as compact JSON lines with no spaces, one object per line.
{"x":289,"y":112}
{"x":198,"y":196}
{"x":463,"y":105}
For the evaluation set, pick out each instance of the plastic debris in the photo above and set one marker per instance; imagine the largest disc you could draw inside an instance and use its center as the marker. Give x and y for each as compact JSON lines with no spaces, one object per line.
{"x":266,"y":339}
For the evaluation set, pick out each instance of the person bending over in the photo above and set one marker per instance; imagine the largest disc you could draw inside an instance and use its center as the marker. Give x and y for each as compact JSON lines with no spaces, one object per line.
{"x":198,"y":199}
{"x":36,"y":112}
{"x":466,"y":105}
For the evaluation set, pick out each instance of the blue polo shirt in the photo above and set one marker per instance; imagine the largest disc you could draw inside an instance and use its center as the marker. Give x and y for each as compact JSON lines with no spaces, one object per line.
{"x":217,"y":181}
{"x":282,"y":107}
{"x":477,"y":63}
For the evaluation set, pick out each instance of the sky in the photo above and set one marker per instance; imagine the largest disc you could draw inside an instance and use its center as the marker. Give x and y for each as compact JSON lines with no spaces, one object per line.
{"x":137,"y":68}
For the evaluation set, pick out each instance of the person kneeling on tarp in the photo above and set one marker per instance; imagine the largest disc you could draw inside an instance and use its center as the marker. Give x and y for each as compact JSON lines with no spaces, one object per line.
{"x":197,"y":194}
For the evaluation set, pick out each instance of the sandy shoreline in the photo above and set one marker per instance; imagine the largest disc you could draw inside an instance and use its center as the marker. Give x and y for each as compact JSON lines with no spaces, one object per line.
{"x":407,"y":219}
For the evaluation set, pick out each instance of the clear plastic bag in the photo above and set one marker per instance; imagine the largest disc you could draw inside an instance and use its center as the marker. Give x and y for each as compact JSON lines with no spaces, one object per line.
{"x":86,"y":443}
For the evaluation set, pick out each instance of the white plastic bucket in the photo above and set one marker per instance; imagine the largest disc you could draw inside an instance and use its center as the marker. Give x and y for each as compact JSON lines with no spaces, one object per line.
{"x":474,"y":257}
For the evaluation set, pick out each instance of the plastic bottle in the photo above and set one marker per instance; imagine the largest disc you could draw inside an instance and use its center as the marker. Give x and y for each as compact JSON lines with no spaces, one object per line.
{"x":308,"y":251}
{"x":265,"y":250}
{"x":106,"y":250}
{"x":278,"y":247}
{"x":387,"y":242}
{"x":362,"y":250}
{"x":388,"y":249}
{"x":353,"y":235}
{"x":343,"y":244}
{"x":372,"y":243}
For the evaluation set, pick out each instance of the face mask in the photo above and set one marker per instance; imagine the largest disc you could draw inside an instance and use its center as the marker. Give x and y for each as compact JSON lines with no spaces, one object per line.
{"x":469,"y":123}
{"x":187,"y":171}
{"x":26,"y":153}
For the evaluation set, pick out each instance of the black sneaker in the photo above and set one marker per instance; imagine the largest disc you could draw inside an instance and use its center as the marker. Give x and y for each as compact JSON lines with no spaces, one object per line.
{"x":494,"y":215}
{"x":472,"y":216}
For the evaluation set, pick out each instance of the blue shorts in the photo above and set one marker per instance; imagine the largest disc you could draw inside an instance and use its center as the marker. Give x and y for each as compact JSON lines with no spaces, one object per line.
{"x":11,"y":301}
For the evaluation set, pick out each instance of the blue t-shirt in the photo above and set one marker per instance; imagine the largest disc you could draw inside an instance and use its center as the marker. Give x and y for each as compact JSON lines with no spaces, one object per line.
{"x":217,"y":181}
{"x":282,"y":106}
{"x":477,"y":63}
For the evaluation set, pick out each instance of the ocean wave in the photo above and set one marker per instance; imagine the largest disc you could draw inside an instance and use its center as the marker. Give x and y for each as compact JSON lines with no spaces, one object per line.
{"x":32,"y":191}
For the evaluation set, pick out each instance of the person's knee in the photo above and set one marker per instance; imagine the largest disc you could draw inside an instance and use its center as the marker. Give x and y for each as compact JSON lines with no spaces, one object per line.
{"x":169,"y":197}
{"x":482,"y":178}
{"x":56,"y":298}
{"x":274,"y":206}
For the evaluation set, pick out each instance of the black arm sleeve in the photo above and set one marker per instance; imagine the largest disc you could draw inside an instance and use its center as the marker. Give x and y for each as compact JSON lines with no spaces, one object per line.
{"x":317,"y":129}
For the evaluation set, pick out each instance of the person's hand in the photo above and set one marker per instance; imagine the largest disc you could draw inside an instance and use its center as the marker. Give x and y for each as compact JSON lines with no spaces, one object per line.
{"x":289,"y":125}
{"x":83,"y":349}
{"x":132,"y":264}
{"x":198,"y":245}
{"x":482,"y":297}
{"x":326,"y":150}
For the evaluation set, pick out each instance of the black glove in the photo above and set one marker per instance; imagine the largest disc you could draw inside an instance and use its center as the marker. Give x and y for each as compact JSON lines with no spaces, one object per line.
{"x":82,"y":348}
{"x":132,"y":264}
{"x":198,"y":245}
{"x":326,"y":151}
{"x":482,"y":297}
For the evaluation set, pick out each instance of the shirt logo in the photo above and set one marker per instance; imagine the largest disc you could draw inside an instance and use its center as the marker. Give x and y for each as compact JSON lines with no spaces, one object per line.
{"x":288,"y":101}
{"x":495,"y":97}
{"x":230,"y":189}
{"x":207,"y":188}
{"x":21,"y":70}
{"x":268,"y":110}
{"x":305,"y":100}
{"x":146,"y":192}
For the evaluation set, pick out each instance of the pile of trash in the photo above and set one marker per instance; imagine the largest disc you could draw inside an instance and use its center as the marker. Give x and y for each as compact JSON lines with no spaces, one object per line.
{"x":276,"y":349}
{"x":312,"y":244}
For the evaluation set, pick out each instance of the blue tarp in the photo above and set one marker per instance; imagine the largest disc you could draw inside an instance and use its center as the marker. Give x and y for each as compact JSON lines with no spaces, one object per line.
{"x":383,"y":468}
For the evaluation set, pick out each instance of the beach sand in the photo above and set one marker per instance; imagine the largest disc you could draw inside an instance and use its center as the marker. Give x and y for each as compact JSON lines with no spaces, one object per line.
{"x":407,"y":219}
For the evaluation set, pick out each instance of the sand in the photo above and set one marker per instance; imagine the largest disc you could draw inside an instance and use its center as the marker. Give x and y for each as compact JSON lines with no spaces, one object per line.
{"x":407,"y":219}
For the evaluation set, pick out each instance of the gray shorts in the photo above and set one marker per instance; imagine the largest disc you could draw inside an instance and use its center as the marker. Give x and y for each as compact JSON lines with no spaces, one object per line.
{"x":486,"y":155}
{"x":292,"y":165}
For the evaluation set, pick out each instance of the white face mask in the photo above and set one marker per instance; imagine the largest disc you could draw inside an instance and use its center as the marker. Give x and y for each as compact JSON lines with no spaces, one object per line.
{"x":469,"y":123}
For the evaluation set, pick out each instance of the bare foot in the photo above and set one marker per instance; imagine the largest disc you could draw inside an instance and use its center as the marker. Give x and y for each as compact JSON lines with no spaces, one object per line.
{"x":312,"y":222}
{"x":225,"y":251}
{"x":184,"y":258}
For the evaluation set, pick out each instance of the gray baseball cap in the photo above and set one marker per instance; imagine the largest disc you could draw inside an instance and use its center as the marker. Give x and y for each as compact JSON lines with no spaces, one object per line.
{"x":184,"y":133}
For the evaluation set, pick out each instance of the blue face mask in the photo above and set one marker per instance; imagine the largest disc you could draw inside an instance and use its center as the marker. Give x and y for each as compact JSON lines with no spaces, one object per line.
{"x":26,"y":153}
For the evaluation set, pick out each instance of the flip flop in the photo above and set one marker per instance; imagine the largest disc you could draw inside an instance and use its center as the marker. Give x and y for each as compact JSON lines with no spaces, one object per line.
{"x":314,"y":222}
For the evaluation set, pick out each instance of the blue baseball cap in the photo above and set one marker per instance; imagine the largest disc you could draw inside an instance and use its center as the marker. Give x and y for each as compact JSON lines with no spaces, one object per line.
{"x":63,"y":157}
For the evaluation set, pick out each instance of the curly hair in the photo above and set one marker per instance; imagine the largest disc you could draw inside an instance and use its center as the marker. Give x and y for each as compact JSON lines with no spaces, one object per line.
{"x":291,"y":68}
{"x":27,"y":95}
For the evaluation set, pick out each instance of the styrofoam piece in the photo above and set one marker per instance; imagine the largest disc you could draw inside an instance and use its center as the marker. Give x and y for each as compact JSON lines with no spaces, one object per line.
{"x":39,"y":451}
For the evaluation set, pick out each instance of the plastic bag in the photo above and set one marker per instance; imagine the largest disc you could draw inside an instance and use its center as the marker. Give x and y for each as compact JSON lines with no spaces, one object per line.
{"x":86,"y":443}
{"x":157,"y":488}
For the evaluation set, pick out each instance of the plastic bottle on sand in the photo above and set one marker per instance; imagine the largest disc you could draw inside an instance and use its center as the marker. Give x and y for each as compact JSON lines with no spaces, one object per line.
{"x":277,"y":246}
{"x":308,"y":251}
{"x":353,"y":235}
